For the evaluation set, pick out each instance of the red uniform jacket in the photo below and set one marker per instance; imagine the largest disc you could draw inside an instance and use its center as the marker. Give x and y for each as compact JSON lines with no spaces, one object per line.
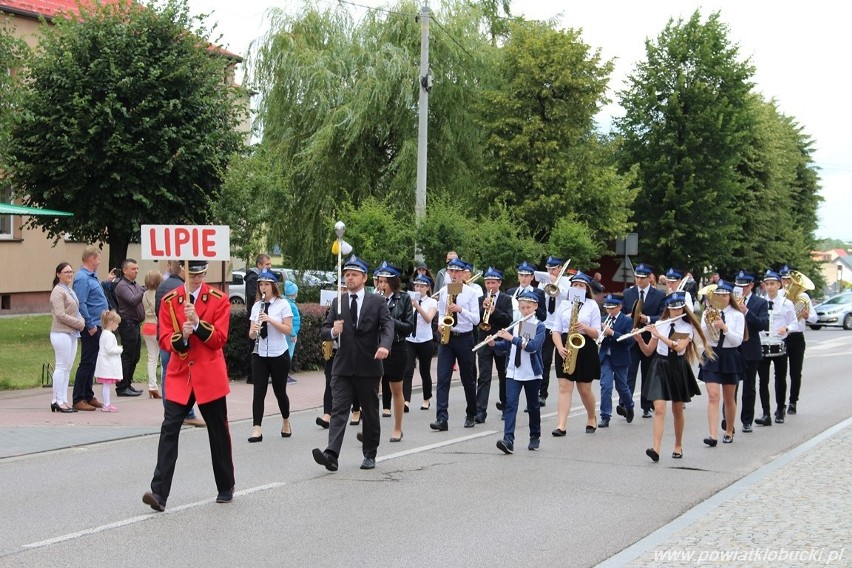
{"x":197,"y":366}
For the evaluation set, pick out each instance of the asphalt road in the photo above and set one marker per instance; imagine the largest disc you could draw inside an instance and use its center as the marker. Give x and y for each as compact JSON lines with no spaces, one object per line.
{"x":435,"y":499}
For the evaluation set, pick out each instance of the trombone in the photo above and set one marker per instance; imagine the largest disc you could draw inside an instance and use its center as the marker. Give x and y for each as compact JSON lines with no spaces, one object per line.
{"x":476,"y":276}
{"x":552,"y":290}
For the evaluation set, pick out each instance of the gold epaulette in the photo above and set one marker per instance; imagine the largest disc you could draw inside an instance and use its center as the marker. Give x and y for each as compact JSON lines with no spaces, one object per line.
{"x":216,"y":293}
{"x":170,"y":295}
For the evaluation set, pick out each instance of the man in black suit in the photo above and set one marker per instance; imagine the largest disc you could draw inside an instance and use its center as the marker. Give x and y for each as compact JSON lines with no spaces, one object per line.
{"x":756,"y":312}
{"x":499,"y":304}
{"x":652,"y":307}
{"x":364,"y":332}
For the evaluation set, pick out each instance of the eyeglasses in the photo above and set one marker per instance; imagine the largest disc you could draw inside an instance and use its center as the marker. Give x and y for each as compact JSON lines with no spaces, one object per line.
{"x":67,"y":272}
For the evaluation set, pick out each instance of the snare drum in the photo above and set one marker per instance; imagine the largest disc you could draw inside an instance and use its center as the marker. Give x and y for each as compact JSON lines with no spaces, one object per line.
{"x":772,"y":346}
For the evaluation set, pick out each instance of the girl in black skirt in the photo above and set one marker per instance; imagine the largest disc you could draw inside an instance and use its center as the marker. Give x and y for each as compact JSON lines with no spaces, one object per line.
{"x":588,"y":366}
{"x":388,"y":284}
{"x":670,"y":376}
{"x":727,"y":369}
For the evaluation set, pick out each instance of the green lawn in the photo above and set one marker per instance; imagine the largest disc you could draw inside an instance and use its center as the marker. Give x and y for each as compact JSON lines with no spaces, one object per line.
{"x":25,"y":348}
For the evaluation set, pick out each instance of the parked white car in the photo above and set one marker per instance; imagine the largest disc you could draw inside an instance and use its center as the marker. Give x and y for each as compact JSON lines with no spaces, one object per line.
{"x":310,"y":278}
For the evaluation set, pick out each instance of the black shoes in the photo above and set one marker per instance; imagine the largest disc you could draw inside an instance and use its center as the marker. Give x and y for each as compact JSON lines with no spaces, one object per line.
{"x":254,"y":439}
{"x":724,"y":424}
{"x":322,"y":423}
{"x":791,"y":408}
{"x":479,"y":418}
{"x":764,"y":420}
{"x":646,"y":413}
{"x":630,"y":414}
{"x":505,"y":447}
{"x":558,"y":432}
{"x":677,"y":455}
{"x":711,"y":442}
{"x":747,"y":427}
{"x":604,"y":423}
{"x":368,"y":463}
{"x":225,"y":496}
{"x":439,"y":425}
{"x":542,"y":401}
{"x":779,"y":416}
{"x":469,"y":422}
{"x":128,"y":392}
{"x":395,"y":439}
{"x":325,"y":459}
{"x":651,"y":453}
{"x":499,"y":405}
{"x":534,"y":444}
{"x":360,"y":437}
{"x":54,"y":407}
{"x":590,"y":429}
{"x":153,"y":500}
{"x":726,"y":439}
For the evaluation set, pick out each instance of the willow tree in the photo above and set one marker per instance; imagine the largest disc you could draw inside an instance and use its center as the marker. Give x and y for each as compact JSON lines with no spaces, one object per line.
{"x":686,"y":127}
{"x":339,"y":112}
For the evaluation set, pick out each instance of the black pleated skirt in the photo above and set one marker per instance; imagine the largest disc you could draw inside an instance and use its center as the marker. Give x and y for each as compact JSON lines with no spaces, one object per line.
{"x":670,"y":378}
{"x":588,"y":367}
{"x":727,"y":369}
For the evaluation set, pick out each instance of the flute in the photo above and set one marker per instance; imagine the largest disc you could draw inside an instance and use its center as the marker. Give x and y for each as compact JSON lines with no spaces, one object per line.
{"x":641,"y":329}
{"x":485,"y":341}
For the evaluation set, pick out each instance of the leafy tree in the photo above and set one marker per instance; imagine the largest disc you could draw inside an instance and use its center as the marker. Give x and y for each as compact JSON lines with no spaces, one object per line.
{"x":13,"y":53}
{"x":339,"y":112}
{"x":544,"y":160}
{"x":685,"y":126}
{"x":126,"y":120}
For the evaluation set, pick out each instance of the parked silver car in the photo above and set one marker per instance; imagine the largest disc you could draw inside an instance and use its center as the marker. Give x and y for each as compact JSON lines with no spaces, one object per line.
{"x":834,"y":312}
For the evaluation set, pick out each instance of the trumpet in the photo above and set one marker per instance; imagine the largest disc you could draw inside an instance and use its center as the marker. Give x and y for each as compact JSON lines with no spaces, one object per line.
{"x":606,"y":325}
{"x":552,"y":290}
{"x":509,"y":327}
{"x":485,"y":325}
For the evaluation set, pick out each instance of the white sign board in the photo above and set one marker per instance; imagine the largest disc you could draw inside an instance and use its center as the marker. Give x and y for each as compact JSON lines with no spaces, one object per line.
{"x":186,"y":242}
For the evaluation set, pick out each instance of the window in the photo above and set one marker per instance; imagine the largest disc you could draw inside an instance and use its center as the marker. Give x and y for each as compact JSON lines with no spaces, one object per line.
{"x":7,"y":228}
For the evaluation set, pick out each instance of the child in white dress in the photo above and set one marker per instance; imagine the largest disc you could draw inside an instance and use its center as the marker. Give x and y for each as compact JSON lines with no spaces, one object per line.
{"x":108,"y":367}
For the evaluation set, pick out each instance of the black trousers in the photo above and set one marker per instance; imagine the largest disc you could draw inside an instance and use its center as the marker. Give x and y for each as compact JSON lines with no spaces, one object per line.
{"x":344,"y":389}
{"x":780,"y":382}
{"x":547,"y":351}
{"x":749,"y":392}
{"x":796,"y":355}
{"x":639,"y":360}
{"x":419,"y":354}
{"x":261,"y":369}
{"x":90,"y":345}
{"x":327,"y":397}
{"x":215,"y":414}
{"x":131,"y":344}
{"x":487,"y":358}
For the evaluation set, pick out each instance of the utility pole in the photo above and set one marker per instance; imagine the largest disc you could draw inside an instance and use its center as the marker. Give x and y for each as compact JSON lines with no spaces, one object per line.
{"x":423,"y":123}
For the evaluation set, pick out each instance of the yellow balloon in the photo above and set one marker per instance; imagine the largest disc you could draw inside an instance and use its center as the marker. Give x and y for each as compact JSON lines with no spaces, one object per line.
{"x":335,"y":247}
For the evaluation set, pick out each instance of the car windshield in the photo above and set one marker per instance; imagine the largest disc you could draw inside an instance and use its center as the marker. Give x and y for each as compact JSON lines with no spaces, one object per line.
{"x":844,"y":299}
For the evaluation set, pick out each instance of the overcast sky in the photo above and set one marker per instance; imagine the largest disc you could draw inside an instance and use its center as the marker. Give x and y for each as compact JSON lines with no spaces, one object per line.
{"x":800,"y":51}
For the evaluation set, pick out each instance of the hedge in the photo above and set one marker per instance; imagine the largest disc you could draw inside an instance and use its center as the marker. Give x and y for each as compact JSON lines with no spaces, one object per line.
{"x":308,"y":349}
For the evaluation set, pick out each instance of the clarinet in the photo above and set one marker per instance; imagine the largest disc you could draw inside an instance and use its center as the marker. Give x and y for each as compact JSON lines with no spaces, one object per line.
{"x":260,"y":313}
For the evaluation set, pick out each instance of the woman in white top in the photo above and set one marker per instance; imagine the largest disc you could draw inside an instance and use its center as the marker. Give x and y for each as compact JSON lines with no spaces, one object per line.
{"x":670,"y":376}
{"x":421,"y":345}
{"x":726,"y":370}
{"x":271,"y":323}
{"x":64,"y":331}
{"x":588,"y":367}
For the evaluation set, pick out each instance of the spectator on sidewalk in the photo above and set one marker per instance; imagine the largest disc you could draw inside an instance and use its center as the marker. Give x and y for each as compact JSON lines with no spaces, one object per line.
{"x":64,"y":331}
{"x":129,"y":296}
{"x":153,"y":279}
{"x":93,"y":303}
{"x":291,"y":291}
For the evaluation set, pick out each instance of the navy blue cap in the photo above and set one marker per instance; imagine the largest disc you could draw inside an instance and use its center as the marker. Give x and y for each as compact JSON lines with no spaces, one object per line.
{"x":526,"y":268}
{"x":468,"y":266}
{"x":528,"y":296}
{"x":492,"y":274}
{"x":643,"y":269}
{"x":553,"y":261}
{"x":355,"y":263}
{"x":674,"y":274}
{"x":613,"y":301}
{"x":676,"y":300}
{"x":267,"y":276}
{"x":580,"y":277}
{"x":423,"y":279}
{"x":196,"y":266}
{"x":723,"y":287}
{"x":387,"y":270}
{"x":784,"y":271}
{"x":457,"y":264}
{"x":771,"y":275}
{"x":744,"y":278}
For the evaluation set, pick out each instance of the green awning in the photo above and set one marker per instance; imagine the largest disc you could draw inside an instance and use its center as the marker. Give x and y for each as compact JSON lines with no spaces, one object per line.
{"x":10,"y":209}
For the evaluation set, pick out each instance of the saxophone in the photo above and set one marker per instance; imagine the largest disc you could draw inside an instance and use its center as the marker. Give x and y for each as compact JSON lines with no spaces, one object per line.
{"x":575,"y":342}
{"x":447,"y":321}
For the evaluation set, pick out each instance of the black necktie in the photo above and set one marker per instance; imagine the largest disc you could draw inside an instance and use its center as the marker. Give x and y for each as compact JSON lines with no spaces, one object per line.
{"x":721,"y":333}
{"x":518,"y":355}
{"x":642,"y":295}
{"x":551,"y":304}
{"x":264,"y":330}
{"x":671,"y":332}
{"x":771,"y":304}
{"x":353,"y":310}
{"x":414,"y":331}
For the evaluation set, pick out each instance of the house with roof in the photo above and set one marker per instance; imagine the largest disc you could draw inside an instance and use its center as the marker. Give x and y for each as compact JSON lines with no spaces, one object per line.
{"x":836,"y":268}
{"x":28,"y":256}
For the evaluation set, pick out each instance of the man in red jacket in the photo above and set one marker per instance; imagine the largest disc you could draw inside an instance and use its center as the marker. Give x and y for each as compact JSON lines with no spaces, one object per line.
{"x":194,"y":326}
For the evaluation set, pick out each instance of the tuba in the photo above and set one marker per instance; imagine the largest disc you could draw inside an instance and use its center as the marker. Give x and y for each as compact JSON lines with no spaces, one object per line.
{"x":575,"y":342}
{"x":799,"y":283}
{"x":711,"y":312}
